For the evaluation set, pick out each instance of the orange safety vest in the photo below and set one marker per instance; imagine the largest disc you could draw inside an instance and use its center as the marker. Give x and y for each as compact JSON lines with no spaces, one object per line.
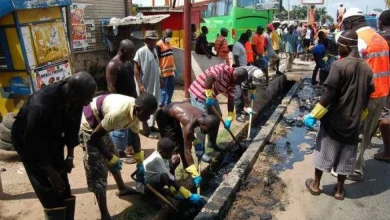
{"x":377,"y":57}
{"x":249,"y":52}
{"x":167,"y":65}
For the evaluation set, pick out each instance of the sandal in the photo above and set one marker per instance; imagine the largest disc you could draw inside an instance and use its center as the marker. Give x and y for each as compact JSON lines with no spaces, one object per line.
{"x":149,"y":135}
{"x":342,"y":197}
{"x":308,"y":187}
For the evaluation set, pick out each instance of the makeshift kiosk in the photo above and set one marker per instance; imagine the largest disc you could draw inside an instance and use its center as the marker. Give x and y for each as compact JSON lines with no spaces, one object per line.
{"x":34,"y":49}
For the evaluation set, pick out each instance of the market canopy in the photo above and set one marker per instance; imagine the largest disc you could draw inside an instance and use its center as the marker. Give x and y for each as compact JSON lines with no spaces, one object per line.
{"x":8,"y":6}
{"x":139,"y":19}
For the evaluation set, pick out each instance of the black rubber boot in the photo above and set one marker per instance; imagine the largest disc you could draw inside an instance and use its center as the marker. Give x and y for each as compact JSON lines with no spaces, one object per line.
{"x":70,"y":207}
{"x":55,"y":213}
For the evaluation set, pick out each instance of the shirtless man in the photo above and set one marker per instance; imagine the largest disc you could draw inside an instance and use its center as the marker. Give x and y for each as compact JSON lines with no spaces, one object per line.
{"x":120,"y":80}
{"x":172,"y":117}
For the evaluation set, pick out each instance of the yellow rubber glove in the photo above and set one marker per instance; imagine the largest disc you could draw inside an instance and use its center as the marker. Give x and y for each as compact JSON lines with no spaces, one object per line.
{"x":195,"y":142}
{"x":139,"y":157}
{"x":364,"y":115}
{"x":193,"y":171}
{"x":231,"y":116}
{"x":209,"y":93}
{"x":172,"y":190}
{"x":318,"y":111}
{"x":185,"y":192}
{"x":113,"y":161}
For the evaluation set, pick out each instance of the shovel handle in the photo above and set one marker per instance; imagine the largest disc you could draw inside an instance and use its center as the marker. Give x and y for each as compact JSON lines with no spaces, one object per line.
{"x":155,"y":192}
{"x":216,"y":113}
{"x":250,"y":122}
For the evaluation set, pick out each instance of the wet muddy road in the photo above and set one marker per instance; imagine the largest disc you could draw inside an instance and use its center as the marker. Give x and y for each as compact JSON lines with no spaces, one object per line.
{"x":275,"y":187}
{"x":262,"y":192}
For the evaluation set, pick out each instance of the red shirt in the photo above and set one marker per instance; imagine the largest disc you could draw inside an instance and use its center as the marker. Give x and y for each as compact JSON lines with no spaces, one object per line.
{"x":223,"y":84}
{"x":249,"y":52}
{"x":258,"y":41}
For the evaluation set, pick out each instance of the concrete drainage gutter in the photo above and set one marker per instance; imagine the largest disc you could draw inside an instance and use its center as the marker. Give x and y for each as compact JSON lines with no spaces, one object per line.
{"x":220,"y":202}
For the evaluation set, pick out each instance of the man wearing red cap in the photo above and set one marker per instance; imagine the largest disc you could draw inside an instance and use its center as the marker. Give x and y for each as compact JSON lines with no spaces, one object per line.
{"x":274,"y":58}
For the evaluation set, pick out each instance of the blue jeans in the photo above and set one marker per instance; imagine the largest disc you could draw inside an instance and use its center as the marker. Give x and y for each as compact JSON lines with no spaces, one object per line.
{"x":167,"y":90}
{"x":202,"y":106}
{"x":121,"y":138}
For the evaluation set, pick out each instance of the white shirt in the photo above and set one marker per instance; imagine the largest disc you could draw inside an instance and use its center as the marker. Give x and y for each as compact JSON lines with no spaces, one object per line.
{"x":155,"y":165}
{"x":308,"y":34}
{"x":239,"y":50}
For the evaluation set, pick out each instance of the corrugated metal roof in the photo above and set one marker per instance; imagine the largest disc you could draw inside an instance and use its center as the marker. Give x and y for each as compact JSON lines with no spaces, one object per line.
{"x":134,"y":20}
{"x":8,"y":6}
{"x":158,"y":9}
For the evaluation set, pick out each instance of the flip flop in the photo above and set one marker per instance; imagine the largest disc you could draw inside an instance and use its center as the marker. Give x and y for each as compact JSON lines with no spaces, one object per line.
{"x":342,"y":197}
{"x":149,"y":135}
{"x":127,"y":193}
{"x":308,"y":184}
{"x":128,"y":160}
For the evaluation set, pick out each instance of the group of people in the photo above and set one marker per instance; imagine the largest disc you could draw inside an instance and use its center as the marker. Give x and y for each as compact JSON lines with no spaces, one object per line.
{"x":260,"y":51}
{"x":355,"y":102}
{"x":107,"y":125}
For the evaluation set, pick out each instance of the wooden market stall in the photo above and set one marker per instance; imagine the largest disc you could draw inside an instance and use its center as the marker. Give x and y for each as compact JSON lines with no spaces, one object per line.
{"x":34,"y":48}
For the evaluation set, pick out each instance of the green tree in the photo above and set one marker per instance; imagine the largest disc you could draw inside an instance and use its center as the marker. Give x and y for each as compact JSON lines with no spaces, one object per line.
{"x":298,"y":12}
{"x":134,"y":10}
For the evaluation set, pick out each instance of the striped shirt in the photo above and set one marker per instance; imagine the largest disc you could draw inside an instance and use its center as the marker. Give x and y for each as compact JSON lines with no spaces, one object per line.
{"x":223,"y":84}
{"x":252,"y":81}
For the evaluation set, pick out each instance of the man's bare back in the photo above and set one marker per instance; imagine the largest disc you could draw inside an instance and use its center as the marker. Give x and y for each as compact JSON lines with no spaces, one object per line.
{"x":184,"y":112}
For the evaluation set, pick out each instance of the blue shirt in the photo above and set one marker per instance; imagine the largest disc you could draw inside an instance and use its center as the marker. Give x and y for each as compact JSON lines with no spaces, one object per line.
{"x":319,"y":50}
{"x":291,"y":43}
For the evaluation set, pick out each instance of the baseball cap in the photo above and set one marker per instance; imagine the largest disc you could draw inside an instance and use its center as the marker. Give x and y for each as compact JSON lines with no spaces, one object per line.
{"x":270,"y":26}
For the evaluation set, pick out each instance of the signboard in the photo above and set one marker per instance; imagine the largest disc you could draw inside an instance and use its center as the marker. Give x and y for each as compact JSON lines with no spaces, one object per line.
{"x":312,"y":2}
{"x":50,"y":41}
{"x":268,"y":4}
{"x":50,"y":74}
{"x":83,"y":31}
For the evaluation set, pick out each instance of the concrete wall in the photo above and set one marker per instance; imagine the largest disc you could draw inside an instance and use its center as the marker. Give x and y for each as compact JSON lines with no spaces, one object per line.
{"x":199,"y":63}
{"x":86,"y":61}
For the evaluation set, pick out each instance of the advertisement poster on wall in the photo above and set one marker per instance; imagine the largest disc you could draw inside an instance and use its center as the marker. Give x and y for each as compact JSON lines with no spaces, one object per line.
{"x":50,"y":41}
{"x":50,"y":74}
{"x":83,"y":31}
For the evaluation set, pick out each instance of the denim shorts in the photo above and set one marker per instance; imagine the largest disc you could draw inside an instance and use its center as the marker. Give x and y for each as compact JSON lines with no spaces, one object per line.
{"x":120,"y":138}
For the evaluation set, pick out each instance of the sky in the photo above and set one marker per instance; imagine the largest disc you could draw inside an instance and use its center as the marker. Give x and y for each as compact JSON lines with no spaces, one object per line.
{"x":331,"y":5}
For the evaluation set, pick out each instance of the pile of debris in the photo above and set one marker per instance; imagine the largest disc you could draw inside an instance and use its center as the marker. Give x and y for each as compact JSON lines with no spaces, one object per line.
{"x":309,"y":95}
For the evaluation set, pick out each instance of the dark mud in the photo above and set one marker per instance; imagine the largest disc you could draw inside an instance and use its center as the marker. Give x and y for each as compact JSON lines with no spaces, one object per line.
{"x":262,"y":192}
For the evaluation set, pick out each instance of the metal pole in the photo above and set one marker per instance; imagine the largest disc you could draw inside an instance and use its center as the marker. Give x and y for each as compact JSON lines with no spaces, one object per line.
{"x":127,"y":8}
{"x":187,"y":47}
{"x":130,"y":7}
{"x":288,"y":11}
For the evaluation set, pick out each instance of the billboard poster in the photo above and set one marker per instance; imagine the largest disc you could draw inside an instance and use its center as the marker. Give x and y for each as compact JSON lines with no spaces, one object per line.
{"x":83,"y":31}
{"x":50,"y":74}
{"x":50,"y":41}
{"x":312,"y":2}
{"x":267,"y":4}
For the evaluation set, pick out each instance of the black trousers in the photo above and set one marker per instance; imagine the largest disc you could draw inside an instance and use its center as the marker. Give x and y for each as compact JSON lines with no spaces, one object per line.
{"x":171,"y":128}
{"x":319,"y":62}
{"x":45,"y":192}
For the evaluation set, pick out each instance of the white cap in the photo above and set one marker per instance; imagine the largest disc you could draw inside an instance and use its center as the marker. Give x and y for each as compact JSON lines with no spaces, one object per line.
{"x":353,"y":12}
{"x":258,"y":74}
{"x":341,"y":3}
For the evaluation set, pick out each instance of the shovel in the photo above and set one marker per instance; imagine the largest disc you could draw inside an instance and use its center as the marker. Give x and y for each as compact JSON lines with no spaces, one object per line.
{"x":216,"y":113}
{"x":248,"y":138}
{"x":155,"y":192}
